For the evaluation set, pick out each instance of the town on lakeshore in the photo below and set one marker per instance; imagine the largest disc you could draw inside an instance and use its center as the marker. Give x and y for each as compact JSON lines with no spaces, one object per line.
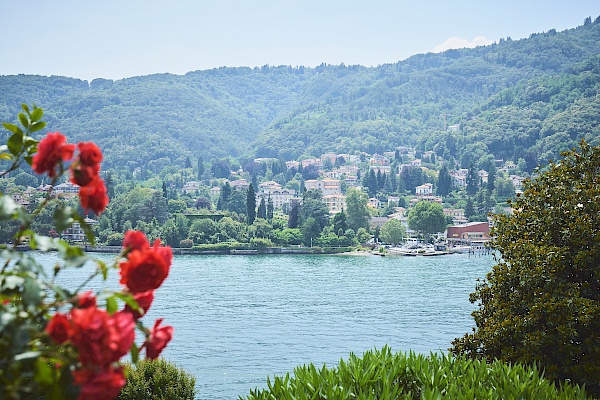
{"x":341,"y":202}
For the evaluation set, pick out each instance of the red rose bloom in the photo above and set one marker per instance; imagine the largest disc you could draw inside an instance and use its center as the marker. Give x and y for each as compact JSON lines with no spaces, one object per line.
{"x":51,"y":150}
{"x":82,"y":175}
{"x":144,"y":301}
{"x":146,"y":269}
{"x":89,"y":153}
{"x":100,"y":338}
{"x":85,"y":300}
{"x":93,"y":196}
{"x":159,"y":338}
{"x":135,"y":240}
{"x":99,"y":385}
{"x":59,"y":328}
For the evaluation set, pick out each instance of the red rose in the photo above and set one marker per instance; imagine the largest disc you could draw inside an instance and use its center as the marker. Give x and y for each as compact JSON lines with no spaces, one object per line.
{"x":51,"y":150}
{"x":89,"y":153}
{"x":159,"y":338}
{"x":59,"y":328}
{"x":85,"y":300}
{"x":146,"y":269}
{"x":93,"y":196}
{"x":123,"y":322}
{"x":100,"y":338}
{"x":144,"y":301}
{"x":82,"y":175}
{"x":135,"y":240}
{"x":99,"y":385}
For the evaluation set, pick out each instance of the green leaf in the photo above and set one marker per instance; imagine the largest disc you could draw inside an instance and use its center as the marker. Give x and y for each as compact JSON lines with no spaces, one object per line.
{"x":135,"y":353}
{"x":63,"y":218}
{"x":37,"y":114}
{"x":43,"y":372}
{"x":11,"y":127}
{"x":111,"y":304}
{"x":32,"y":292}
{"x":15,"y":143}
{"x":37,"y":126}
{"x":129,"y":300}
{"x":43,"y":243}
{"x":104,"y":268}
{"x":25,"y":108}
{"x":7,"y":156}
{"x":24,"y":120}
{"x":87,"y":229}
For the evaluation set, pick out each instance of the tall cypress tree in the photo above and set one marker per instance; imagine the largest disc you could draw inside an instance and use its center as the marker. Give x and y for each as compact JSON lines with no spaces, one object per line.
{"x":270,"y":209}
{"x":251,"y":205}
{"x":294,"y":215}
{"x":262,"y":209}
{"x":200,"y":167}
{"x":444,"y":183}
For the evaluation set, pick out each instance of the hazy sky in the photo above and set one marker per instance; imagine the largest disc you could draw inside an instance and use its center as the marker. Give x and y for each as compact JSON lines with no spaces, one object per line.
{"x":122,"y":38}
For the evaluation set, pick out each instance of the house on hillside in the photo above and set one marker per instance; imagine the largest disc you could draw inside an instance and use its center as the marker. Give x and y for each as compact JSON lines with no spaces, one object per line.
{"x":335,"y":203}
{"x":424,"y":190}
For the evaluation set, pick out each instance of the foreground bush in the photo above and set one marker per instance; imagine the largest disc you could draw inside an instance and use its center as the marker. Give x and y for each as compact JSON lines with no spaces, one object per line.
{"x":541,"y":301}
{"x":157,"y":379}
{"x":383,"y":375}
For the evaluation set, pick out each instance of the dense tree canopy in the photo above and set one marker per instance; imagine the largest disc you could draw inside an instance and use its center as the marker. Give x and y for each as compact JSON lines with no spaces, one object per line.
{"x":427,"y":217}
{"x":541,"y":302}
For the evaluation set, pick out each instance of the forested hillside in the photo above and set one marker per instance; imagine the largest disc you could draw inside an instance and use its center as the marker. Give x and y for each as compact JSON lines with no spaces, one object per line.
{"x":526,"y":99}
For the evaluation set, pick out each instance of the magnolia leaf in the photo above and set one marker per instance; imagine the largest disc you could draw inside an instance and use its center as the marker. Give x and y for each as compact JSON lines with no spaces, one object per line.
{"x":37,"y":114}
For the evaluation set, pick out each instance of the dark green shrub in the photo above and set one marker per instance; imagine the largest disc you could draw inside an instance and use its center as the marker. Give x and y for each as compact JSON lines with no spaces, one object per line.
{"x":260,"y":243}
{"x":157,"y":379}
{"x":383,"y":375}
{"x":186,"y":243}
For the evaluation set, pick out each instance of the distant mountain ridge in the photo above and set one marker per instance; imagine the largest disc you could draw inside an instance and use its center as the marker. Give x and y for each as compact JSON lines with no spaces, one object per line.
{"x":291,"y":112}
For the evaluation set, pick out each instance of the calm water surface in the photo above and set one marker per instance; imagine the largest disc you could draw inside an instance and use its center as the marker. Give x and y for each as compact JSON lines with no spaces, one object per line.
{"x":239,"y":319}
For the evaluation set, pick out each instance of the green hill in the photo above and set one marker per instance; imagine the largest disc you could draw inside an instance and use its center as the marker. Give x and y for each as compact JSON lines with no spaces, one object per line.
{"x":513,"y":98}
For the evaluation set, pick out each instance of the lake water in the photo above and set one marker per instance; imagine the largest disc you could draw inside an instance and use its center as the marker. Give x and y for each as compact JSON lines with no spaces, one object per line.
{"x":239,"y":319}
